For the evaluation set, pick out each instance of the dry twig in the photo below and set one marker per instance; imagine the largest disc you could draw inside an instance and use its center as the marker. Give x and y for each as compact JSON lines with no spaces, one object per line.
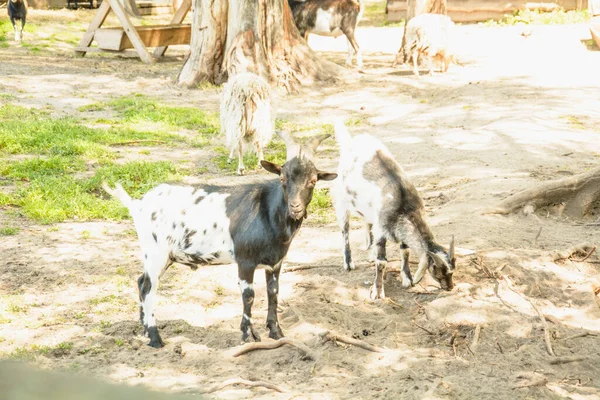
{"x":583,"y":248}
{"x":475,"y":340}
{"x":425,"y":329}
{"x":537,"y":237}
{"x":273,"y":344}
{"x":542,"y":318}
{"x":388,"y":300}
{"x":240,"y":381}
{"x":334,"y":337}
{"x":566,"y":360}
{"x":579,"y":335}
{"x":541,"y":381}
{"x":137,"y":142}
{"x":586,"y":257}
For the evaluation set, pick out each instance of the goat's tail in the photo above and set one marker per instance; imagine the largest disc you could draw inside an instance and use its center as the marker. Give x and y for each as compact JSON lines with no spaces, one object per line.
{"x":119,"y":193}
{"x":342,"y":136}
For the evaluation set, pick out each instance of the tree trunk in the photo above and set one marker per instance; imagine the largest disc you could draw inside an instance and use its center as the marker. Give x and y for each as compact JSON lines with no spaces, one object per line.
{"x":231,"y":36}
{"x":417,"y":7}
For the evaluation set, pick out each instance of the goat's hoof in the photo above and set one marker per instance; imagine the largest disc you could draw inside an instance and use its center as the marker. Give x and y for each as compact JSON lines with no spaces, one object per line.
{"x":276,"y":333}
{"x":349,"y":267}
{"x":155,"y":339}
{"x":407,"y":283}
{"x":240,"y":172}
{"x":377,"y":293}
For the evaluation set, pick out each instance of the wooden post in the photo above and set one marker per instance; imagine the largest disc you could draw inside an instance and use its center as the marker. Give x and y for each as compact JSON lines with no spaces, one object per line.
{"x":97,"y":21}
{"x":177,"y":19}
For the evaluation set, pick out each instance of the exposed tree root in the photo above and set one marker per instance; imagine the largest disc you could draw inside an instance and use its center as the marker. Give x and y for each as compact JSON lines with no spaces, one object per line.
{"x":578,"y":193}
{"x":273,"y":344}
{"x":333,"y":337}
{"x":240,"y":381}
{"x":579,"y":335}
{"x":136,"y":142}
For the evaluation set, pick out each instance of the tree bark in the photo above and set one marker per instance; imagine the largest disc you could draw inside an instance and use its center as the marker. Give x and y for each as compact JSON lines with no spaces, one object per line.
{"x":259,"y":36}
{"x":579,"y":193}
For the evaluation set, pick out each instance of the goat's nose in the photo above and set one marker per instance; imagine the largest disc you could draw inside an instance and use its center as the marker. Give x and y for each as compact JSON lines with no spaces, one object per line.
{"x":295,"y":205}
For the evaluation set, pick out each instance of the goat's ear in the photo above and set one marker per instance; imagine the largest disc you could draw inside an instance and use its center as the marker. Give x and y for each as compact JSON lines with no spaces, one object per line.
{"x":451,"y":249}
{"x":269,"y":166}
{"x":326,"y":176}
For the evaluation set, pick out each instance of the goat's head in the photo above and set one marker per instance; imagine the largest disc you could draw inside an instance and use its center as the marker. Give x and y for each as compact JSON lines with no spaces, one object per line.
{"x":441,"y":265}
{"x":298,"y":175}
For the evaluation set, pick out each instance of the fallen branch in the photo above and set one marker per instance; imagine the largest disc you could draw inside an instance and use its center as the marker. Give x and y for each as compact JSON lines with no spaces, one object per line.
{"x":536,"y":382}
{"x":578,"y":192}
{"x":566,"y":360}
{"x":273,"y":344}
{"x":137,"y":142}
{"x":240,"y":381}
{"x":582,"y":248}
{"x":475,"y":340}
{"x":328,"y":336}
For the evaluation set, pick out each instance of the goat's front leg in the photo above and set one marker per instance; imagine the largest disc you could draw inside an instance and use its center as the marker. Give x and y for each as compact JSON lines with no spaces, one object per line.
{"x":259,"y":152}
{"x":246,"y":279}
{"x":405,"y":273}
{"x":272,"y":294}
{"x":415,"y":58}
{"x":423,"y":264}
{"x":377,"y":291}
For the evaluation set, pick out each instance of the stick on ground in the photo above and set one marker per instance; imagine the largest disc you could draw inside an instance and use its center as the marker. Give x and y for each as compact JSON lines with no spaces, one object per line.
{"x":273,"y":344}
{"x":240,"y":381}
{"x":566,"y":360}
{"x":334,"y":337}
{"x":475,"y":340}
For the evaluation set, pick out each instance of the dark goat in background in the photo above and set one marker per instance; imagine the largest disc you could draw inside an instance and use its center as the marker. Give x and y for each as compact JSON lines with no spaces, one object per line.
{"x":17,"y":10}
{"x":251,"y":224}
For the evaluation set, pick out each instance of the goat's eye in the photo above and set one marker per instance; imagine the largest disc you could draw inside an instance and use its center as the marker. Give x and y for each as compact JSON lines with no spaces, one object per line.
{"x":282,"y":179}
{"x":313,"y":182}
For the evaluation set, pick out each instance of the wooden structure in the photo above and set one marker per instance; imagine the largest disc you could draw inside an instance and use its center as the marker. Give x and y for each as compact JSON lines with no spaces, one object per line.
{"x":481,"y":10}
{"x":128,"y":36}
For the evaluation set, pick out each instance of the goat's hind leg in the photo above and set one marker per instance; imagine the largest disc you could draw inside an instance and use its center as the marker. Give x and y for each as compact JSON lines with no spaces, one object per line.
{"x":405,"y":273}
{"x":154,"y":264}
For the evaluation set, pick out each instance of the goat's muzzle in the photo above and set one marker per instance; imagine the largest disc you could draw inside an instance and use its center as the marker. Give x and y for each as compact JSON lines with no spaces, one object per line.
{"x":296,"y":211}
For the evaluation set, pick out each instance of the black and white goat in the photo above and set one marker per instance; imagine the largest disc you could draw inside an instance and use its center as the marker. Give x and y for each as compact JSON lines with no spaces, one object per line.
{"x":373,"y":185}
{"x":246,"y":115}
{"x":330,"y":18}
{"x":251,"y":224}
{"x":429,"y":37}
{"x":17,"y":10}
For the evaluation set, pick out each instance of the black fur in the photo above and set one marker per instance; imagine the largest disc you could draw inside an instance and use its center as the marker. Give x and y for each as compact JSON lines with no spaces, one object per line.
{"x":17,"y":10}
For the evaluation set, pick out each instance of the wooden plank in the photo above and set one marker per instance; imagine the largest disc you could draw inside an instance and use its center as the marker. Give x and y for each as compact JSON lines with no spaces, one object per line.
{"x":177,"y":19}
{"x":97,"y":22}
{"x":151,"y":36}
{"x":130,"y":31}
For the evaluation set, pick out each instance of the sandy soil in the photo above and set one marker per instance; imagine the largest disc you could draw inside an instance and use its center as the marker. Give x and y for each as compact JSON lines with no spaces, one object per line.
{"x":519,"y":111}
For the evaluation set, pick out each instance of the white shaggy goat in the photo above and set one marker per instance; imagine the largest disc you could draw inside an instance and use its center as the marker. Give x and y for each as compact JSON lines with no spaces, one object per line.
{"x":373,"y":185}
{"x":429,"y":36}
{"x":246,"y":115}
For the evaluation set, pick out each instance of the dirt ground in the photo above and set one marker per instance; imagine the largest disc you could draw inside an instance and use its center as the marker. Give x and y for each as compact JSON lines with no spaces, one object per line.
{"x":520,"y":110}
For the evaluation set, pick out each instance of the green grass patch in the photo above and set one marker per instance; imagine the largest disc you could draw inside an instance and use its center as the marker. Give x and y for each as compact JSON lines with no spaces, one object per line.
{"x":57,"y":198}
{"x":8,"y":231}
{"x":7,"y":96}
{"x":556,"y":17}
{"x":31,"y":131}
{"x":41,"y":167}
{"x":320,"y":209}
{"x":139,"y":108}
